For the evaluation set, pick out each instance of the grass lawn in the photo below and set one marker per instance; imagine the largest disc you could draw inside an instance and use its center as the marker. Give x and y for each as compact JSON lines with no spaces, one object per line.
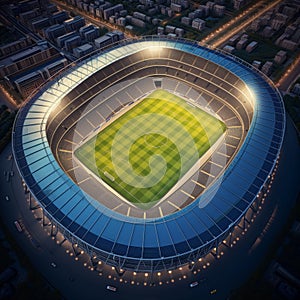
{"x":143,"y":153}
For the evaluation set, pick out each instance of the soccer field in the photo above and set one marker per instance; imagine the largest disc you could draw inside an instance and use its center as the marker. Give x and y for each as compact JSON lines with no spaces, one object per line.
{"x":143,"y":153}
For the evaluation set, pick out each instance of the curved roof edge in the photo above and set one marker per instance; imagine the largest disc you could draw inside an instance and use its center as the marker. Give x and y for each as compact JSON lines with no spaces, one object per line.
{"x":199,"y":226}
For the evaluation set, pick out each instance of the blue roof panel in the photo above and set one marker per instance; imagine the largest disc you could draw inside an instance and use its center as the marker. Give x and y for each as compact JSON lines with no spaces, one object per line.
{"x":178,"y":234}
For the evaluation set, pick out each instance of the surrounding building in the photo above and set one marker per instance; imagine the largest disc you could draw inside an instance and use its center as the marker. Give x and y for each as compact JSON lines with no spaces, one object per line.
{"x":108,"y":39}
{"x":267,"y":67}
{"x":82,"y":50}
{"x":252,"y":46}
{"x":27,"y":59}
{"x":74,"y":24}
{"x":296,"y":89}
{"x":54,"y":31}
{"x":13,"y":47}
{"x":280,"y":57}
{"x":256,"y":64}
{"x":241,"y":44}
{"x":198,"y":24}
{"x":27,"y":84}
{"x":228,"y":48}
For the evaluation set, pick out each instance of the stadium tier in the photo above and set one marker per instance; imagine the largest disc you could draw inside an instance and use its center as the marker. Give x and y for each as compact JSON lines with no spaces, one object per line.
{"x":193,"y":131}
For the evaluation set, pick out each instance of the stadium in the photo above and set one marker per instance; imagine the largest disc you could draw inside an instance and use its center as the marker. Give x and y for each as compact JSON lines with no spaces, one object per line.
{"x":148,"y":154}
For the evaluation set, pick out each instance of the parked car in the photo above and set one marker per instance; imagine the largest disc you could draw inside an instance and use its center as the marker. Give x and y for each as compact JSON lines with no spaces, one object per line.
{"x":111,"y":288}
{"x":18,"y":226}
{"x":213,"y":291}
{"x":193,"y":284}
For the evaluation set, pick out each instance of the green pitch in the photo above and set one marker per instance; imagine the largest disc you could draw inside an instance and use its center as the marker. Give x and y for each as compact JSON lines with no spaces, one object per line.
{"x":143,"y":153}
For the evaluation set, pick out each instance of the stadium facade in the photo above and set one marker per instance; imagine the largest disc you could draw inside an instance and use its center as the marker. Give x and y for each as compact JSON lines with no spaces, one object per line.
{"x":197,"y":216}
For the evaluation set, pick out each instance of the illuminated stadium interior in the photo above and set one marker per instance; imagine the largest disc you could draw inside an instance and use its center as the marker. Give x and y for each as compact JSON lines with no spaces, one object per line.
{"x":151,"y":147}
{"x":102,"y":96}
{"x":209,"y":198}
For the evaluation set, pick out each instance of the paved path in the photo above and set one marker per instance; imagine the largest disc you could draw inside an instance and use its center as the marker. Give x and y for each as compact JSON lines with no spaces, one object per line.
{"x":290,"y":76}
{"x":234,"y":26}
{"x":7,"y":100}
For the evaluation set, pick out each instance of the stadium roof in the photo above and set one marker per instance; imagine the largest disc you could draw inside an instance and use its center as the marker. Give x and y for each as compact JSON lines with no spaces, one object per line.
{"x":198,"y":224}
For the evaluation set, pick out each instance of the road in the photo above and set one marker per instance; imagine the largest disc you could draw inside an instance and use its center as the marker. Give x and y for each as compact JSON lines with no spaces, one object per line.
{"x":291,"y":74}
{"x":6,"y":98}
{"x":6,"y":18}
{"x":225,"y":32}
{"x":225,"y":274}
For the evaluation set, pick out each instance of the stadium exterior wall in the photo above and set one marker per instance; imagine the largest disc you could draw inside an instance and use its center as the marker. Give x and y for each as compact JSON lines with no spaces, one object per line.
{"x":36,"y":165}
